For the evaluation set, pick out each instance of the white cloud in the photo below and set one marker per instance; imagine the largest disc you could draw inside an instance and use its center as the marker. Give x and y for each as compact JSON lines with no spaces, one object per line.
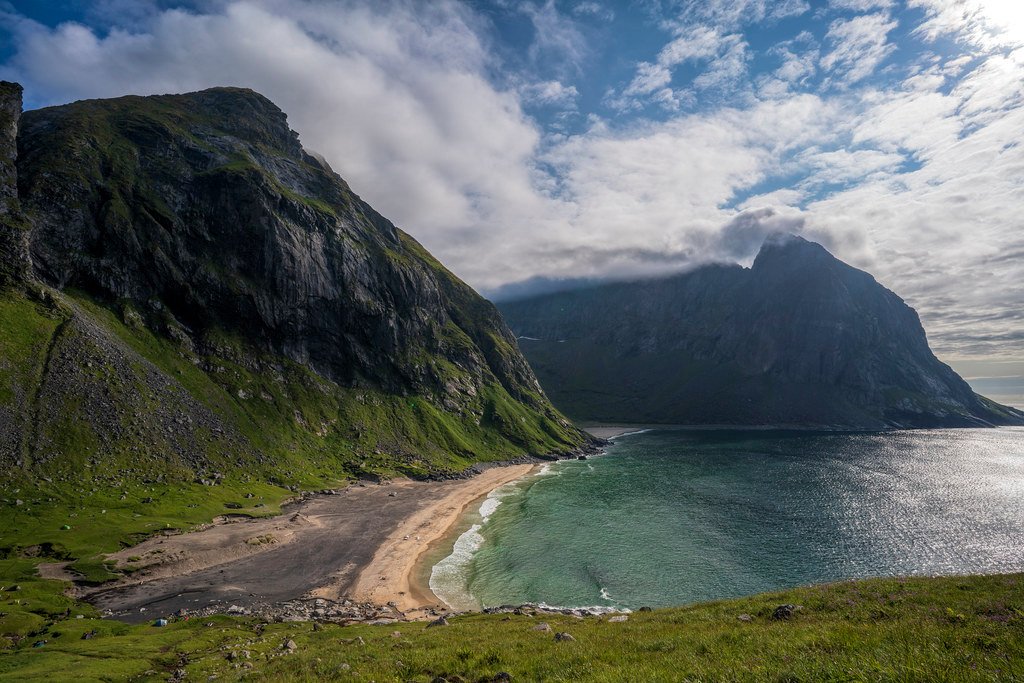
{"x":401,"y":98}
{"x":556,"y":40}
{"x":396,"y":99}
{"x":725,"y":57}
{"x":593,"y":9}
{"x":553,"y":93}
{"x":859,"y":46}
{"x":860,"y":5}
{"x":984,"y":24}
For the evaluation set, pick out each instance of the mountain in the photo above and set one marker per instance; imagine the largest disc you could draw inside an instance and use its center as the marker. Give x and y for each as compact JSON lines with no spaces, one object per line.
{"x":188,"y":295}
{"x":798,"y":339}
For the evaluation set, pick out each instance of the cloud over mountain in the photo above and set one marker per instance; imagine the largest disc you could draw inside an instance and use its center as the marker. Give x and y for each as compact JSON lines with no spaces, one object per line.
{"x":577,"y":139}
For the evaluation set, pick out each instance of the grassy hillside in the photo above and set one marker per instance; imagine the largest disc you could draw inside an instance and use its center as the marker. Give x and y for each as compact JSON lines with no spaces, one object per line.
{"x":113,"y":432}
{"x":941,"y":629}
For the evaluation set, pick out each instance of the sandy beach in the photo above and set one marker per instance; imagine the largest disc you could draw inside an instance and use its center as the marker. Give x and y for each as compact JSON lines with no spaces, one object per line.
{"x":392,"y":574}
{"x":362,"y":544}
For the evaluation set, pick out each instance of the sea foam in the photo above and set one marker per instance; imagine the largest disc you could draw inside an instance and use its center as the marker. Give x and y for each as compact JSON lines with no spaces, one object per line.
{"x":449,"y":578}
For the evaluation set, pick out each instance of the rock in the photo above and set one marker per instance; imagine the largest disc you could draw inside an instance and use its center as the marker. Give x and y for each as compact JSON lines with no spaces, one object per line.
{"x":618,"y":619}
{"x":645,"y":609}
{"x":783,"y":612}
{"x":745,"y":617}
{"x":502,"y":677}
{"x":160,"y":622}
{"x":440,"y":621}
{"x":564,"y":637}
{"x":89,"y":635}
{"x":542,"y":627}
{"x":289,"y":645}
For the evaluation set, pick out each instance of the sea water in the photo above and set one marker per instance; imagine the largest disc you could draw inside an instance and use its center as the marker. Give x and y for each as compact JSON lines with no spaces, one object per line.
{"x":673,"y":517}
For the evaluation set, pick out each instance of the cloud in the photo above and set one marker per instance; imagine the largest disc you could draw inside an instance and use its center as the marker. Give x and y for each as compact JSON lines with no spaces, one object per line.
{"x":858,"y":46}
{"x":984,"y":24}
{"x":725,"y":58}
{"x":557,"y":40}
{"x":553,"y":93}
{"x":860,"y":5}
{"x":743,"y":235}
{"x":593,"y":9}
{"x":907,"y":166}
{"x":396,"y":97}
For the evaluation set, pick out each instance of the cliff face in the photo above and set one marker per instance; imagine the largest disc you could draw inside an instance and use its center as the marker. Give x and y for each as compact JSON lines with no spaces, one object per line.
{"x":215,"y":279}
{"x":798,"y":339}
{"x":14,"y":261}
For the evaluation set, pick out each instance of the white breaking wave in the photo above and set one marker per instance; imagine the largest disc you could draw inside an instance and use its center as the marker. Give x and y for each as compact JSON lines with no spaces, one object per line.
{"x":639,"y":431}
{"x":592,"y":609}
{"x":449,"y":577}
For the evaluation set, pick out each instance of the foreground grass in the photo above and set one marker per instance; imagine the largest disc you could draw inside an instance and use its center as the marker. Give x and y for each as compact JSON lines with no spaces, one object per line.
{"x":921,"y":629}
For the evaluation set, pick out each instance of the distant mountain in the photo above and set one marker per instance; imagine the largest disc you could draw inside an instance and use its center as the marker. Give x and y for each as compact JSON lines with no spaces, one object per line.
{"x":185,"y":292}
{"x":799,"y":339}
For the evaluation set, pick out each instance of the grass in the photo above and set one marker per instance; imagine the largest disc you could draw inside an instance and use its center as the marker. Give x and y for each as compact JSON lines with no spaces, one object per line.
{"x":921,"y":629}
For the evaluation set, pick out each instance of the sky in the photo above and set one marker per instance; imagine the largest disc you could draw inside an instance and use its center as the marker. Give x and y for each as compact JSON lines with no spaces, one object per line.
{"x":528,"y":144}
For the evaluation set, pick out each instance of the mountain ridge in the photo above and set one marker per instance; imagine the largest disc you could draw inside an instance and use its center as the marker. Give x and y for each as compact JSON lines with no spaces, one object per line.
{"x":798,"y":339}
{"x":200,"y":300}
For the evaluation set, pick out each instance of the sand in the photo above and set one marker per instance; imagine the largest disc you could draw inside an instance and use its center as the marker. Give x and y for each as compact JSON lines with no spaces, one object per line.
{"x":363,"y":543}
{"x":392,"y":574}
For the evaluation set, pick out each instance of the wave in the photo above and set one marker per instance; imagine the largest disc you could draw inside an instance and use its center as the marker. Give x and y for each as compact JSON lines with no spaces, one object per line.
{"x":634,"y":433}
{"x":449,"y":578}
{"x":592,"y":609}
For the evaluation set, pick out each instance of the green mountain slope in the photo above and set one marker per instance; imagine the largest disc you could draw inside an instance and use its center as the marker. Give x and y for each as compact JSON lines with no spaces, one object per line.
{"x":212,"y":320}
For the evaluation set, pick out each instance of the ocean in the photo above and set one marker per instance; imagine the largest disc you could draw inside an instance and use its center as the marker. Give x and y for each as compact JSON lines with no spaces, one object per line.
{"x":672,"y":517}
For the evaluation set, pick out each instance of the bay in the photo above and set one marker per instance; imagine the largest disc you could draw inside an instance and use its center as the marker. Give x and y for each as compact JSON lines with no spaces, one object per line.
{"x":672,"y":517}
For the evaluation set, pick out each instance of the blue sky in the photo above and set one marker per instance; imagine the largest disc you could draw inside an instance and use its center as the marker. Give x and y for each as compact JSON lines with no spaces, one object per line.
{"x":558,"y":139}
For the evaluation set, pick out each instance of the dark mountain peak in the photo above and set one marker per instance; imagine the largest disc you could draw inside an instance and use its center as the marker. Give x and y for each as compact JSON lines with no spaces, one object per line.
{"x":790,"y":251}
{"x":800,"y":338}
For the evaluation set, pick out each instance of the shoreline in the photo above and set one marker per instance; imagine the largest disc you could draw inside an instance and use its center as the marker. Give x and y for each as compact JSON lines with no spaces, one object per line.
{"x":396,"y":572}
{"x":364,"y":545}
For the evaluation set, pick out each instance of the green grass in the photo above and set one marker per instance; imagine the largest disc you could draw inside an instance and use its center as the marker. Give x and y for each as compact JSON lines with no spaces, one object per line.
{"x":943,"y":629}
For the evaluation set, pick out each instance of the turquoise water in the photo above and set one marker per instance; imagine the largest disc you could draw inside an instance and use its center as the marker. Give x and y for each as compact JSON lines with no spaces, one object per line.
{"x":675,"y":517}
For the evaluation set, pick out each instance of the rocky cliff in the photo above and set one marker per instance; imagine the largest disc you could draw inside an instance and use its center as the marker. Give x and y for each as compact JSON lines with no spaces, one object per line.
{"x":14,"y":263}
{"x":798,"y":339}
{"x":207,"y":296}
